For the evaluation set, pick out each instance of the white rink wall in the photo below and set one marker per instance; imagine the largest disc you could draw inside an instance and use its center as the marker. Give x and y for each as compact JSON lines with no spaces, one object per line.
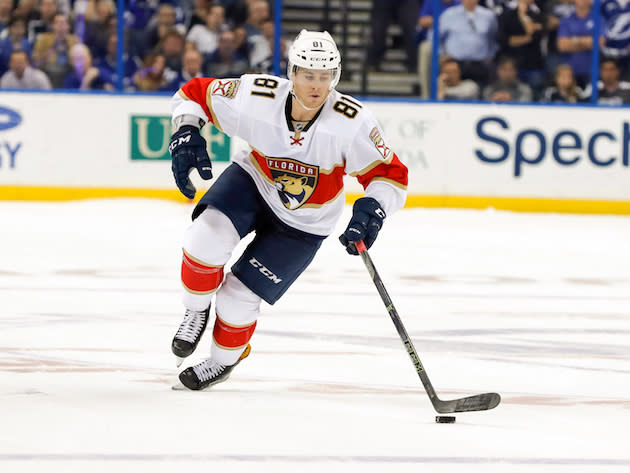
{"x":575,"y":158}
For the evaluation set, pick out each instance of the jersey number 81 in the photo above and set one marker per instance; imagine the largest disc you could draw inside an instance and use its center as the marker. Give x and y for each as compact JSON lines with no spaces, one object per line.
{"x":347,"y":107}
{"x":266,"y":83}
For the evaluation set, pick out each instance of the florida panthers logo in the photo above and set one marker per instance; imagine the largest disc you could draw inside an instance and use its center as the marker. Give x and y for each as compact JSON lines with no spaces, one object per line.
{"x":294,"y":180}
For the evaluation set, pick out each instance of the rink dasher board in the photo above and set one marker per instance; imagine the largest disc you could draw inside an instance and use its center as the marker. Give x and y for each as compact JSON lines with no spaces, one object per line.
{"x":63,"y":146}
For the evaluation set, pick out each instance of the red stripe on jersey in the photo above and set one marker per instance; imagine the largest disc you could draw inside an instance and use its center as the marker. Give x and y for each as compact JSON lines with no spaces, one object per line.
{"x":262,"y":164}
{"x":394,"y":171}
{"x":200,"y":278}
{"x":232,"y":337}
{"x":197,"y":90}
{"x":328,"y":185}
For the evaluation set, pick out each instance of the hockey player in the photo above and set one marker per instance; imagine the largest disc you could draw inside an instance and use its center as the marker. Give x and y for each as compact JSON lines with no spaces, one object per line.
{"x":287,"y":188}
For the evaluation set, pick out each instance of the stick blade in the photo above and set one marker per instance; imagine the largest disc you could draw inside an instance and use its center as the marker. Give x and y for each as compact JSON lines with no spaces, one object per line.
{"x":479,"y":402}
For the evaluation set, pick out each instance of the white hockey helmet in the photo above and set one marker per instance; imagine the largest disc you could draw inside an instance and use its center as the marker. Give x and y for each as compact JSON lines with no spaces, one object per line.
{"x":315,"y":50}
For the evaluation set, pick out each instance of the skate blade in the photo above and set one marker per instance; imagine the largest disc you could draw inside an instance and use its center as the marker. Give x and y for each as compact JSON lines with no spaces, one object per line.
{"x":179,"y":361}
{"x":179,"y":387}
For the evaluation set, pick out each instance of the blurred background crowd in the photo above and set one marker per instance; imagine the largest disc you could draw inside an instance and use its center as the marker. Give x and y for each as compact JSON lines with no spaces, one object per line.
{"x":71,"y":44}
{"x":497,"y":50}
{"x":524,"y":50}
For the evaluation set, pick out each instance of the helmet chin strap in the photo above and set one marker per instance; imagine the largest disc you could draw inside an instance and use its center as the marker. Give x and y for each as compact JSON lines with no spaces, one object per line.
{"x":310,"y":109}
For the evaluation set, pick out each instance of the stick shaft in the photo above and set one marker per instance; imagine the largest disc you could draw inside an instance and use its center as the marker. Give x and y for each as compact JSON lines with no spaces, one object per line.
{"x":400,"y":328}
{"x":479,"y":402}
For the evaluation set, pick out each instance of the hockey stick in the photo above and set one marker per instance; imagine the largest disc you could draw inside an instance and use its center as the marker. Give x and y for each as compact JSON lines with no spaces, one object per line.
{"x":479,"y":402}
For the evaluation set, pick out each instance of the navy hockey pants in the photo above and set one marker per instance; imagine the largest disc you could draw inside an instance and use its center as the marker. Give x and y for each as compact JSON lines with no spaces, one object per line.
{"x":278,"y":254}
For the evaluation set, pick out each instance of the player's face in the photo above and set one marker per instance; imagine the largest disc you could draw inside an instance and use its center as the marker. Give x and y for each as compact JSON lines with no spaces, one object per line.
{"x":311,"y":86}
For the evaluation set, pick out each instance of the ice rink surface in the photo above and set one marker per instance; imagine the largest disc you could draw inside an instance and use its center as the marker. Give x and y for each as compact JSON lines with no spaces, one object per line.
{"x":533,"y":306}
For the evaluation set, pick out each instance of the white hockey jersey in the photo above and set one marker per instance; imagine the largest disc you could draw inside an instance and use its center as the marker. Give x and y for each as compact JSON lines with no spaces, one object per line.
{"x":298,"y":168}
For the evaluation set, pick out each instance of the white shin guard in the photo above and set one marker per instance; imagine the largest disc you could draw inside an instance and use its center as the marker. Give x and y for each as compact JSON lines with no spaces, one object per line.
{"x":211,"y":238}
{"x":236,"y":305}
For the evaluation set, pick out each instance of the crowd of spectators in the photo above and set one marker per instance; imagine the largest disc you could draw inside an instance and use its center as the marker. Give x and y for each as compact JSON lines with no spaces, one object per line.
{"x":72,"y":44}
{"x":497,"y":50}
{"x":524,"y":50}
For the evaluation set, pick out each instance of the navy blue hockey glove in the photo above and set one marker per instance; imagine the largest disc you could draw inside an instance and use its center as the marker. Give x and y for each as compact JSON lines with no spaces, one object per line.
{"x":188,"y":150}
{"x":367,"y":220}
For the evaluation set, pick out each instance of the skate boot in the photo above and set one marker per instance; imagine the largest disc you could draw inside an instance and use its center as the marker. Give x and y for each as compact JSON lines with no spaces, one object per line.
{"x":189,"y":333}
{"x":208,"y":373}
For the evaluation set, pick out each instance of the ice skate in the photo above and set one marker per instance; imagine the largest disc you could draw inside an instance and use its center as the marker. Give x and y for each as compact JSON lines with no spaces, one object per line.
{"x":189,"y":333}
{"x":208,"y":373}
